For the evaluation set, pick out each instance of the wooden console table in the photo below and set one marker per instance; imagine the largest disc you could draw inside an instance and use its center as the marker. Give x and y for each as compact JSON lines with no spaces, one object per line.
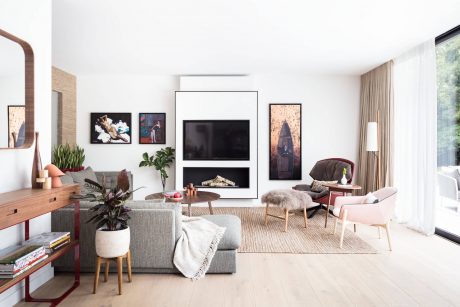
{"x":23,"y":205}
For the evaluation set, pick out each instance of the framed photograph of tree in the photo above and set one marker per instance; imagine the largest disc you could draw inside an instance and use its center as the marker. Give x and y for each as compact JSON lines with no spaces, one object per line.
{"x":285,"y":141}
{"x":152,"y":128}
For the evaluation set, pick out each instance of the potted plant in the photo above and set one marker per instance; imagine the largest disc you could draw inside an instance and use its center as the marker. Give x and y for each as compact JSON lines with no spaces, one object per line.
{"x":68,"y":158}
{"x":110,"y":215}
{"x":161,"y":161}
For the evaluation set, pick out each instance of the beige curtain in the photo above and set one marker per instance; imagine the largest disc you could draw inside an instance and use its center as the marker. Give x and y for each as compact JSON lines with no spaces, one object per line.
{"x":376,"y":105}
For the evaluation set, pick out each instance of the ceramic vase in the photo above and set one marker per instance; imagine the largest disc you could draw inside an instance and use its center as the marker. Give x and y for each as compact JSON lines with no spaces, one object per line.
{"x":111,"y":244}
{"x":37,"y":164}
{"x":344,"y":180}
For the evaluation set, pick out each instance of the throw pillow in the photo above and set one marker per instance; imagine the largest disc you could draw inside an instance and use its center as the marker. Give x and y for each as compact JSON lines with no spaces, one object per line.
{"x":79,"y":177}
{"x":370,"y":199}
{"x":67,"y":179}
{"x":317,"y":185}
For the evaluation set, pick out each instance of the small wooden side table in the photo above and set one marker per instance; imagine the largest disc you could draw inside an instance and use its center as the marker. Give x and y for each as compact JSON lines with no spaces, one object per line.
{"x":119,"y":262}
{"x":335,"y":187}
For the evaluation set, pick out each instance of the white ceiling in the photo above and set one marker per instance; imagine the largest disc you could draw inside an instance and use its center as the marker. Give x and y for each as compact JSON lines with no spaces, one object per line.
{"x":241,"y":36}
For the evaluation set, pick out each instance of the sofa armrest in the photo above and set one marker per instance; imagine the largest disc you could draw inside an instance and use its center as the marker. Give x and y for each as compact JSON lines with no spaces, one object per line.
{"x":346,"y":200}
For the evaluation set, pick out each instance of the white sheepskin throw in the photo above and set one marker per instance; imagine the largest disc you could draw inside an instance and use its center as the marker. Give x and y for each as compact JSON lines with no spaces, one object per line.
{"x":288,"y":199}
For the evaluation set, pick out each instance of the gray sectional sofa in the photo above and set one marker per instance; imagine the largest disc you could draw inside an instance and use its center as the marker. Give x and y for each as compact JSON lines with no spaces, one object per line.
{"x":155,"y":228}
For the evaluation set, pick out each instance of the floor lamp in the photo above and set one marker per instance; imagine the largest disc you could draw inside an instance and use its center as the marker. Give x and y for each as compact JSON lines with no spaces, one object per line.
{"x":372,"y":145}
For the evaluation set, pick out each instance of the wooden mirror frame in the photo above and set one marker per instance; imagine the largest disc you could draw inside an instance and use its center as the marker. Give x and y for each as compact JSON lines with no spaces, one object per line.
{"x":29,"y":90}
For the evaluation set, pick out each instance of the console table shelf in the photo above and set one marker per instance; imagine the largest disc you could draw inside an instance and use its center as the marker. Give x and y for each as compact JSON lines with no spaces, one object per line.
{"x":19,"y":207}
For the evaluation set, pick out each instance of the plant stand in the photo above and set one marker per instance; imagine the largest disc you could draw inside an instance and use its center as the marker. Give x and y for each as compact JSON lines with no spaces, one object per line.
{"x":119,"y":262}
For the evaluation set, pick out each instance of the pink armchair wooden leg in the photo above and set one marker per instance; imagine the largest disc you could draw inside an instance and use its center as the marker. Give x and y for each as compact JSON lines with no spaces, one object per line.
{"x":344,"y":225}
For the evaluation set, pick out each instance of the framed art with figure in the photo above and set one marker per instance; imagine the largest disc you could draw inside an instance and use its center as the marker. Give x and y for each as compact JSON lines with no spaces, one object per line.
{"x":152,"y":128}
{"x":110,"y":128}
{"x":285,"y":141}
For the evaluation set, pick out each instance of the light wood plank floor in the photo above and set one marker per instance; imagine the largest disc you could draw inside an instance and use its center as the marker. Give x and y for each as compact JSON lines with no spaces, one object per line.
{"x":421,"y":271}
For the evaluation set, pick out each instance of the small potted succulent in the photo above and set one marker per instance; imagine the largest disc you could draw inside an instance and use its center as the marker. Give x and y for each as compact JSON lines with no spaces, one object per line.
{"x":68,"y":158}
{"x":161,"y":161}
{"x":110,"y":215}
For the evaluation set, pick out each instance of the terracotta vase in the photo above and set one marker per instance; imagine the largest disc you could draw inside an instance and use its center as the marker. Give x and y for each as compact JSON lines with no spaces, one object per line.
{"x":37,"y":165}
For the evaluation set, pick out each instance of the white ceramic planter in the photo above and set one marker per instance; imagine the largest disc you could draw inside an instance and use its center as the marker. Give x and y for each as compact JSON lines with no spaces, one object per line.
{"x":111,"y":244}
{"x":344,"y":180}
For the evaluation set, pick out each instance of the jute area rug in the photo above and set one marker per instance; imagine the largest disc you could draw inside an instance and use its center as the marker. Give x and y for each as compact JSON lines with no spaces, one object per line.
{"x":315,"y":239}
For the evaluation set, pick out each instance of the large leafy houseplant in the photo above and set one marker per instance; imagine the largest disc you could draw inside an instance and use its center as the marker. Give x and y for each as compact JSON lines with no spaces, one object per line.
{"x":110,"y":212}
{"x":110,"y":215}
{"x":161,"y":160}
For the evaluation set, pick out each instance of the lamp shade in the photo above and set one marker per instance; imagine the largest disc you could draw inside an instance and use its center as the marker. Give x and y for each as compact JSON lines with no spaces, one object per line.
{"x":372,"y":141}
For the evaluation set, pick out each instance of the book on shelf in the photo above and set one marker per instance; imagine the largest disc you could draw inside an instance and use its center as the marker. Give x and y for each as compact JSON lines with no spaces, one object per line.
{"x":48,"y":239}
{"x":13,"y":274}
{"x":17,"y":257}
{"x":55,"y":247}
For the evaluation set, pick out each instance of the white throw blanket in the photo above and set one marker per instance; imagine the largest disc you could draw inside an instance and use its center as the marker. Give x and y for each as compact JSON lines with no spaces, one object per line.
{"x":196,"y":246}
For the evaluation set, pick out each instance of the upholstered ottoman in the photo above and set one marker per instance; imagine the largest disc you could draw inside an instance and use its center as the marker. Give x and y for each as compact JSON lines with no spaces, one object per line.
{"x":289,"y":200}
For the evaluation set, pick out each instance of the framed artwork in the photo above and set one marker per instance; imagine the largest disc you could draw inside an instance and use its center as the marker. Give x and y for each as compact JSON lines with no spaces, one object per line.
{"x":152,"y":128}
{"x":285,"y":141}
{"x":110,"y":128}
{"x":16,"y":125}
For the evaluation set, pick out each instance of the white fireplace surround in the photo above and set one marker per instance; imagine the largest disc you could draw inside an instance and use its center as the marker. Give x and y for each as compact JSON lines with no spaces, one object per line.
{"x":219,"y":105}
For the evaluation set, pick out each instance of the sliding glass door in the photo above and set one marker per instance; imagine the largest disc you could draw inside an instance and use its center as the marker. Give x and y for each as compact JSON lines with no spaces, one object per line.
{"x":448,"y":78}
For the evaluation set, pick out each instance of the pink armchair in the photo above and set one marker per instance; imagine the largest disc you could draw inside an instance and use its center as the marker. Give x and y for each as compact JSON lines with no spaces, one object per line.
{"x":350,"y":210}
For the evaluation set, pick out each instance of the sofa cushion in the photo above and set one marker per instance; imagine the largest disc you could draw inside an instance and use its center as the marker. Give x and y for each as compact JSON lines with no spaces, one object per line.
{"x":307,"y":188}
{"x":318,"y":186}
{"x":79,"y":177}
{"x":67,"y":179}
{"x":232,"y":235}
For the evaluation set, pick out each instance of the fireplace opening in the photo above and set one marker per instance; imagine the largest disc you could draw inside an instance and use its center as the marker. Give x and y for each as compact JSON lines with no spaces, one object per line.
{"x":217,"y":177}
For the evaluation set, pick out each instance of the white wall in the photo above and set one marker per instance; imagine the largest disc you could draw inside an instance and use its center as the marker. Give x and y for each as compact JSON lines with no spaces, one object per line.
{"x":31,"y":21}
{"x":133,"y":94}
{"x":330,"y":113}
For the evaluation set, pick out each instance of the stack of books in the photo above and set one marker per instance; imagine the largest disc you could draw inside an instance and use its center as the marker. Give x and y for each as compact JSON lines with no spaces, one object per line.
{"x":52,"y":241}
{"x":15,"y":260}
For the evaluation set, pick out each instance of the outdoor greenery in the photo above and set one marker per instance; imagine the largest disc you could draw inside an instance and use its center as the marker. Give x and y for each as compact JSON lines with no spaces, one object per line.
{"x":448,"y":78}
{"x":161,"y":161}
{"x":67,"y":157}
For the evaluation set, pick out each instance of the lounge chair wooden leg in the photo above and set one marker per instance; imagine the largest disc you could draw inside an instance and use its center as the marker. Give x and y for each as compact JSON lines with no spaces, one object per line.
{"x":344,"y":225}
{"x":305,"y":216}
{"x":387,"y":228}
{"x":106,"y":270}
{"x":286,"y":217}
{"x":96,"y":276}
{"x":266,"y":214}
{"x":327,"y":208}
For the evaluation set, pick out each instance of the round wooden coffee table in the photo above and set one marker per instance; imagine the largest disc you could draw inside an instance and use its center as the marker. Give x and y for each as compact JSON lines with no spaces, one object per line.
{"x":201,"y":197}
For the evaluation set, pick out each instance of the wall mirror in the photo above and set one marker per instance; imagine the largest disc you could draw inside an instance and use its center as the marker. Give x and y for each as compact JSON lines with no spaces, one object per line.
{"x":16,"y":92}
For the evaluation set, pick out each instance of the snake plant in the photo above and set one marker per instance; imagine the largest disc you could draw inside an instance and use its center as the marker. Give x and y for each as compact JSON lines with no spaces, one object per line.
{"x":67,"y":157}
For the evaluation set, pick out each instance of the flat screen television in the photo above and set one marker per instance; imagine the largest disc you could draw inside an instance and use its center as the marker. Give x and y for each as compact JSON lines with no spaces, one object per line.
{"x":216,"y":139}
